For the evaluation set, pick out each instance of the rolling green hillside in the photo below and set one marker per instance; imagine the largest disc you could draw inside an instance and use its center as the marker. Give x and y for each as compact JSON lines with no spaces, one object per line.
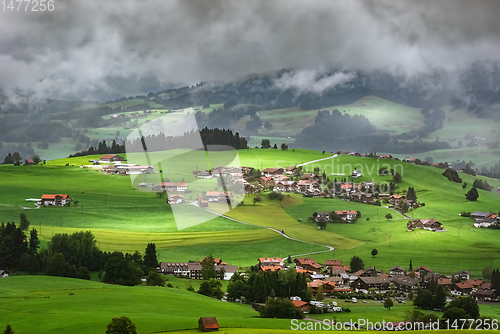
{"x":126,"y":219}
{"x":37,"y":304}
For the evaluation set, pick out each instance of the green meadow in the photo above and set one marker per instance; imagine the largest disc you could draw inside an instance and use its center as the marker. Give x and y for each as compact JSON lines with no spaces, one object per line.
{"x":126,"y":219}
{"x":38,"y":304}
{"x":461,"y":247}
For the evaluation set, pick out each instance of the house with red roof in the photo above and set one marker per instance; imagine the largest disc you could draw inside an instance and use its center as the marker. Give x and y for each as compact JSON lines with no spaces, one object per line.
{"x":270,"y":262}
{"x":56,"y":200}
{"x":346,"y":214}
{"x":303,"y":306}
{"x":111,"y":158}
{"x":272,"y":171}
{"x":28,"y":162}
{"x":171,"y":186}
{"x":307,"y":263}
{"x":208,"y":324}
{"x":175,"y":199}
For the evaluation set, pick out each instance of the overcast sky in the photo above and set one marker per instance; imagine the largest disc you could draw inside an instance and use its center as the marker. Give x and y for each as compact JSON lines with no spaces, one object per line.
{"x":105,"y":49}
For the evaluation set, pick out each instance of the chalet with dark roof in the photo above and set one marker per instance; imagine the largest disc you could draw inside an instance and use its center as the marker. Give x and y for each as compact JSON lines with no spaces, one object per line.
{"x":462,"y":275}
{"x":405,"y":283}
{"x":272,"y":171}
{"x":379,"y":283}
{"x":397,"y":270}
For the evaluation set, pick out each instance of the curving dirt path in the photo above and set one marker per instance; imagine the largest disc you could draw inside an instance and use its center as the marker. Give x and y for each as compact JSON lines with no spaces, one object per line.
{"x":330,"y":248}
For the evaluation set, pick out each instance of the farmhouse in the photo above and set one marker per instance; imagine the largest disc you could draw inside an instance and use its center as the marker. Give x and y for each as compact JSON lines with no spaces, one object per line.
{"x":173,"y":186}
{"x":322,"y":216}
{"x":405,"y":283}
{"x":177,"y":269}
{"x":484,"y":295}
{"x":356,"y":173}
{"x":29,"y":162}
{"x":131,"y":170}
{"x":212,"y":196}
{"x":286,"y":186}
{"x":56,"y":200}
{"x":270,"y":261}
{"x":481,"y":215}
{"x":208,"y":324}
{"x":488,"y":222}
{"x":204,"y":175}
{"x":290,"y":169}
{"x":426,"y":224}
{"x":395,"y":199}
{"x":228,"y":270}
{"x":267,"y":181}
{"x":422,"y":271}
{"x":462,"y":275}
{"x":272,"y":171}
{"x":307,"y":263}
{"x":303,"y":306}
{"x":346,"y":214}
{"x":379,"y":283}
{"x":397,"y":270}
{"x":111,"y":157}
{"x":175,"y":199}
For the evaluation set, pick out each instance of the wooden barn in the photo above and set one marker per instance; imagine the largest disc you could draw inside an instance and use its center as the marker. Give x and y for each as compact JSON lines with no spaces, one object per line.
{"x":208,"y":324}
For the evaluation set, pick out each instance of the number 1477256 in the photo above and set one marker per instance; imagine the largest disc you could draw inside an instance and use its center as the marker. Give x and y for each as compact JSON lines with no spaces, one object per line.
{"x":27,"y":5}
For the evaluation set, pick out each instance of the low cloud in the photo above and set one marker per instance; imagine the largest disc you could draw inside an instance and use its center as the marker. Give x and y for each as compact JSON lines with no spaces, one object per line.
{"x":105,"y":49}
{"x":313,"y":81}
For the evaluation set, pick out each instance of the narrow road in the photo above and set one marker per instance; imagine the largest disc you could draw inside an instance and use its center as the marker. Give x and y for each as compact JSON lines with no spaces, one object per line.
{"x":310,"y":162}
{"x":330,"y":248}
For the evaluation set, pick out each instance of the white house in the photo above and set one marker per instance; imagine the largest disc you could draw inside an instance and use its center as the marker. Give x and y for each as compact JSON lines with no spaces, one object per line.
{"x":356,"y":173}
{"x":56,"y":200}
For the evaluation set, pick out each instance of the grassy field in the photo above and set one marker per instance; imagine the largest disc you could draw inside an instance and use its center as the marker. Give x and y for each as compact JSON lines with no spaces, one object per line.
{"x":385,"y":115}
{"x":462,"y":246}
{"x":109,"y":206}
{"x":125,"y":219}
{"x":37,"y":304}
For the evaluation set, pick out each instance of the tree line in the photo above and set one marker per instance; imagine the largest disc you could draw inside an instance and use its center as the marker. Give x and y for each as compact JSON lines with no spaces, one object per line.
{"x":71,"y":255}
{"x":163,"y":142}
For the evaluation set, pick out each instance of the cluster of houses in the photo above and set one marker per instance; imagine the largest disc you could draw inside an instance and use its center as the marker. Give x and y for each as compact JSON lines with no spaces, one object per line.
{"x":333,"y":276}
{"x":485,"y":219}
{"x":116,"y":166}
{"x":192,"y":270}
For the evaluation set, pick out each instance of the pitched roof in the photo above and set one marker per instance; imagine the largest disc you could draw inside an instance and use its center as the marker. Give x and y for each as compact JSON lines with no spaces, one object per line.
{"x":333,"y":262}
{"x":316,"y":283}
{"x":345,"y":212}
{"x":270,"y":268}
{"x":270,"y":259}
{"x":405,"y":280}
{"x":299,"y":303}
{"x":466,"y":285}
{"x":444,"y":281}
{"x":424,"y":268}
{"x":397,"y":268}
{"x":48,"y":196}
{"x":375,"y":280}
{"x":109,"y":156}
{"x":209,"y":322}
{"x":173,"y":184}
{"x":212,"y":193}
